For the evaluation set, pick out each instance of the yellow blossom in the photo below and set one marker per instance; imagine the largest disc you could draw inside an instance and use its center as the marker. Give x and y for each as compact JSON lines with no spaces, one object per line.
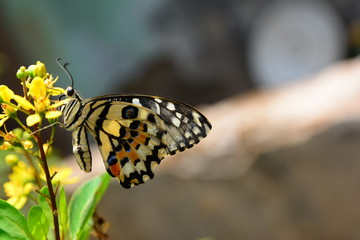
{"x":25,"y":104}
{"x":19,"y":194}
{"x":62,"y":175}
{"x":37,"y":88}
{"x":3,"y":118}
{"x":20,"y":184}
{"x":9,"y":137}
{"x":40,"y":92}
{"x":27,"y":144}
{"x":33,"y":119}
{"x":6,"y":95}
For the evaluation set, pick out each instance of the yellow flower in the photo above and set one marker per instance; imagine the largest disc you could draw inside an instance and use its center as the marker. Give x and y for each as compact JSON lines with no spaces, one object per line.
{"x":3,"y":118}
{"x":9,"y":137}
{"x":25,"y":104}
{"x":39,"y":91}
{"x":16,"y":138}
{"x":62,"y":175}
{"x":41,"y":87}
{"x":37,"y":88}
{"x":19,"y":194}
{"x":20,"y":184}
{"x":27,"y":144}
{"x":6,"y":95}
{"x":36,"y":118}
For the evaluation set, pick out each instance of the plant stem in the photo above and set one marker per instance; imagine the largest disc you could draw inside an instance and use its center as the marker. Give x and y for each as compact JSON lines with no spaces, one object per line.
{"x":49,"y":184}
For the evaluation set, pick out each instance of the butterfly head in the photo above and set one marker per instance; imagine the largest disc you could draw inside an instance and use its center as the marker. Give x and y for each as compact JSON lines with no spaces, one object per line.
{"x":71,"y":109}
{"x":69,"y":92}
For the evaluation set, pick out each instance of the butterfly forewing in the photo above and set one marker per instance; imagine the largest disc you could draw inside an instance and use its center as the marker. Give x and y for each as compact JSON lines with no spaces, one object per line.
{"x":135,"y":132}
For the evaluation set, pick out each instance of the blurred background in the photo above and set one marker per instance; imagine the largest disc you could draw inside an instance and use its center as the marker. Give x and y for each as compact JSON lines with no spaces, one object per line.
{"x":223,"y":55}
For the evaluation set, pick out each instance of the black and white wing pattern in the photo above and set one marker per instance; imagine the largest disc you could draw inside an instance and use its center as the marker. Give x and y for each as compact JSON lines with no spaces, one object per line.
{"x":134,"y":132}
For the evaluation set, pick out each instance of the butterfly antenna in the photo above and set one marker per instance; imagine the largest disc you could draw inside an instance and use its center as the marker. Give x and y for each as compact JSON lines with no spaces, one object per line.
{"x":43,"y":128}
{"x":64,"y":67}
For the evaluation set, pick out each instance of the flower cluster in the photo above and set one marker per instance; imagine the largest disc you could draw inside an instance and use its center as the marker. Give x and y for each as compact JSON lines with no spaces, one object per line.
{"x":38,"y":88}
{"x":23,"y":180}
{"x":37,"y":105}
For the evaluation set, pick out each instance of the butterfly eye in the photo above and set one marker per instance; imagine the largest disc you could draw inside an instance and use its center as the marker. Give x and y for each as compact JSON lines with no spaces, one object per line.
{"x":70,"y":92}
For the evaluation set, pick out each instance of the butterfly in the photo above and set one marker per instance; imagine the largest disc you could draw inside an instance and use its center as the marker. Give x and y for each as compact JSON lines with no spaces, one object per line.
{"x":133,"y":132}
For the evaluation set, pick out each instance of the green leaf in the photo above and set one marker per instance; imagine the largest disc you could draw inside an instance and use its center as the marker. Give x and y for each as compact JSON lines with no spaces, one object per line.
{"x":86,"y":231}
{"x":44,"y":203}
{"x":63,"y":211}
{"x":38,"y":223}
{"x":12,"y":223}
{"x":83,"y":203}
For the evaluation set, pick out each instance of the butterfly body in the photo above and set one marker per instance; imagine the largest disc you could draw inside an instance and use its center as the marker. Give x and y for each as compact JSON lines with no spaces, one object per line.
{"x":133,"y":132}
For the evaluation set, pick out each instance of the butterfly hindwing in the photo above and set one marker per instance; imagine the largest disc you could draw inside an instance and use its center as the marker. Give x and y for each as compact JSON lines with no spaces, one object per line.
{"x":135,"y":132}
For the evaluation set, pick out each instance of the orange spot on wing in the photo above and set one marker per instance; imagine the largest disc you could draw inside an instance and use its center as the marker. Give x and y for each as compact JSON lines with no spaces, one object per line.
{"x":120,"y":155}
{"x":132,"y":156}
{"x":115,"y":169}
{"x":141,"y":138}
{"x":141,"y":127}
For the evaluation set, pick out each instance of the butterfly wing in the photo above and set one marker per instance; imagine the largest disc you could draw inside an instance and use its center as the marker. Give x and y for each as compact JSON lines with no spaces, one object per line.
{"x":135,"y":133}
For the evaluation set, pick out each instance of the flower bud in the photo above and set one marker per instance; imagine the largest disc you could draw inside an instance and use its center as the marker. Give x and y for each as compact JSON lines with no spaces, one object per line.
{"x":18,"y":133}
{"x":26,"y":136}
{"x":40,"y":69}
{"x":30,"y":70}
{"x":22,"y":73}
{"x":11,"y":159}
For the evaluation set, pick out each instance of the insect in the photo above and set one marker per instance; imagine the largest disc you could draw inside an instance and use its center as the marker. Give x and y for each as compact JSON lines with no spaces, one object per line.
{"x":133,"y":132}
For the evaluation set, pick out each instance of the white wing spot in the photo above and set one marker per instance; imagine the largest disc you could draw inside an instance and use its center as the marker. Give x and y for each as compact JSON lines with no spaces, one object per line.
{"x":158,"y":100}
{"x":153,"y":165}
{"x":197,"y":118}
{"x":187,"y":135}
{"x":196,"y":130}
{"x":145,"y":178}
{"x":179,"y":115}
{"x":127,"y":169}
{"x":186,"y":120}
{"x":162,"y":153}
{"x":176,"y":121}
{"x":170,"y":106}
{"x":136,"y":101}
{"x":140,"y":167}
{"x":157,"y":108}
